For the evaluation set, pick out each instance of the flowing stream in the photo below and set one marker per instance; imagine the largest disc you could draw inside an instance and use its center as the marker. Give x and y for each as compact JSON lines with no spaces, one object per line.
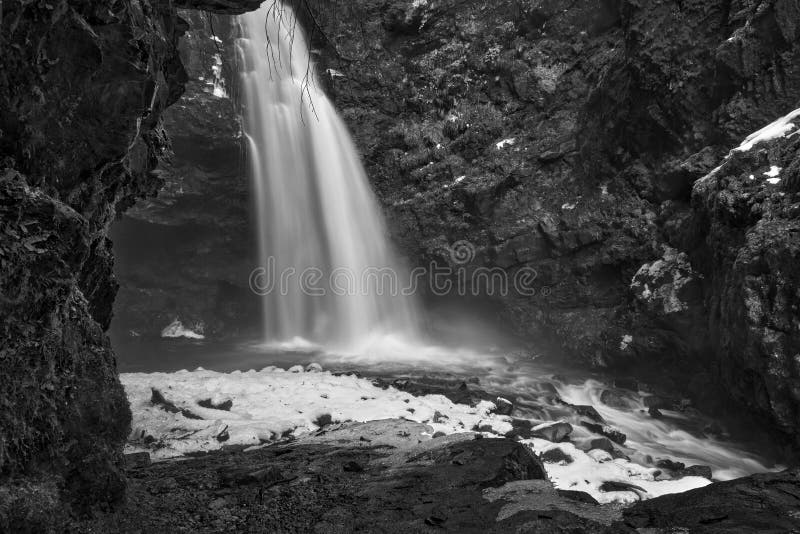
{"x":322,"y":243}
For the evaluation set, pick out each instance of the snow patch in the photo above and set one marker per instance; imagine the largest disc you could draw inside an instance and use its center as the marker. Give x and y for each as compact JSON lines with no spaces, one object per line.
{"x":176,"y":329}
{"x":273,"y":402}
{"x":773,"y":172}
{"x":589,"y":470}
{"x":779,"y":128}
{"x":218,"y":84}
{"x":627,"y":339}
{"x":506,"y":142}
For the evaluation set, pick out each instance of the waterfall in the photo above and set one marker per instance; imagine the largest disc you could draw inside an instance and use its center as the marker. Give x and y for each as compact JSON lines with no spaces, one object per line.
{"x":329,"y":274}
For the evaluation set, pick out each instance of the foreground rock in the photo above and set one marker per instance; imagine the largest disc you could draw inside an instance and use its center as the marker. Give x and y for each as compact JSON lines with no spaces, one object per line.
{"x":391,"y":476}
{"x":760,"y":503}
{"x":82,"y":89}
{"x":381,"y":476}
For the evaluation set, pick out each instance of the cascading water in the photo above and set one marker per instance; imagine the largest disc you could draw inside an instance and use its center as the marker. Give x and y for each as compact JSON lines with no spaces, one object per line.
{"x":328,"y":274}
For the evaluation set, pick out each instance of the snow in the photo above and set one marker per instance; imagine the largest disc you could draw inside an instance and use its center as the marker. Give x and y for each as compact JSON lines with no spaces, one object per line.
{"x":773,"y":172}
{"x":218,"y":83}
{"x":273,"y":401}
{"x":588,"y":471}
{"x":779,"y":128}
{"x":176,"y":329}
{"x":333,"y":73}
{"x":505,"y":142}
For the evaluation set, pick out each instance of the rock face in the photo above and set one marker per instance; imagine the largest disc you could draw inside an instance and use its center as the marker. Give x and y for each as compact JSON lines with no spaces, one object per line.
{"x":186,"y":254}
{"x":746,"y":227}
{"x":82,"y":90}
{"x":565,"y":138}
{"x":760,"y":503}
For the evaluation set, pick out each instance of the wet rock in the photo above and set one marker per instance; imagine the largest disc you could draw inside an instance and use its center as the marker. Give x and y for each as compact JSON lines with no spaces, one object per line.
{"x":670,"y":465}
{"x":157,"y":399}
{"x":323,"y":420}
{"x":603,"y":444}
{"x":521,"y":428}
{"x":554,"y":432}
{"x":225,"y":405}
{"x":759,"y":503}
{"x":611,"y":433}
{"x":658,"y":402}
{"x":556,"y":456}
{"x":504,"y":406}
{"x":616,"y":399}
{"x":655,"y":413}
{"x":590,"y":412}
{"x":698,"y":471}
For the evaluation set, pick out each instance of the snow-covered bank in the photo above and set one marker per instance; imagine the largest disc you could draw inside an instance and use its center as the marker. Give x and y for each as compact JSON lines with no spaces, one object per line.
{"x":211,"y":410}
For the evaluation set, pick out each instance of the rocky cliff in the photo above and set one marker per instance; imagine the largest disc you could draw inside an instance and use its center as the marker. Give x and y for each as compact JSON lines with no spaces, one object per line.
{"x":566,"y":137}
{"x":186,"y":254}
{"x":82,"y":90}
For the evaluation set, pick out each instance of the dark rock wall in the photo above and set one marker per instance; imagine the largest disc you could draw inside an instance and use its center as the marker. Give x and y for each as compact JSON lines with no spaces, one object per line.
{"x":187,"y":254}
{"x":616,"y":109}
{"x":82,"y":89}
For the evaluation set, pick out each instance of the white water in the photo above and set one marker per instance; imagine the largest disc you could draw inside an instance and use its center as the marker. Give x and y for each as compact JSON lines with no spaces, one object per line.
{"x":315,"y":211}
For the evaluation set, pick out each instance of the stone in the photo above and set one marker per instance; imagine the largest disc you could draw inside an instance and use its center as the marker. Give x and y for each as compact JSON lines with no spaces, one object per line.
{"x":556,"y":456}
{"x":670,"y":465}
{"x":603,"y":444}
{"x":503,"y":406}
{"x":611,"y":433}
{"x":135,"y":460}
{"x":225,"y":405}
{"x":555,"y":432}
{"x":698,"y":471}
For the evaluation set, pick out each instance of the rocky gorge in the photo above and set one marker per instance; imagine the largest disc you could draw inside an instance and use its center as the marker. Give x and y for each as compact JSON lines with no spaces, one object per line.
{"x":594,"y":142}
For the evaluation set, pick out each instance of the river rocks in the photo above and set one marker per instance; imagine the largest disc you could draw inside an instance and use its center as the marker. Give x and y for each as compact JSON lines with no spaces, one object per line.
{"x":760,"y":503}
{"x":554,"y":432}
{"x":611,"y":433}
{"x":504,"y":406}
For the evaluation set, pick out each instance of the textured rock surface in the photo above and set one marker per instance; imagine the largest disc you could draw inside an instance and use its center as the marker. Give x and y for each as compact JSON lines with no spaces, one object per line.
{"x":186,"y":253}
{"x":82,"y":89}
{"x":746,"y":228}
{"x":390,"y":476}
{"x":760,"y":503}
{"x":382,"y":476}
